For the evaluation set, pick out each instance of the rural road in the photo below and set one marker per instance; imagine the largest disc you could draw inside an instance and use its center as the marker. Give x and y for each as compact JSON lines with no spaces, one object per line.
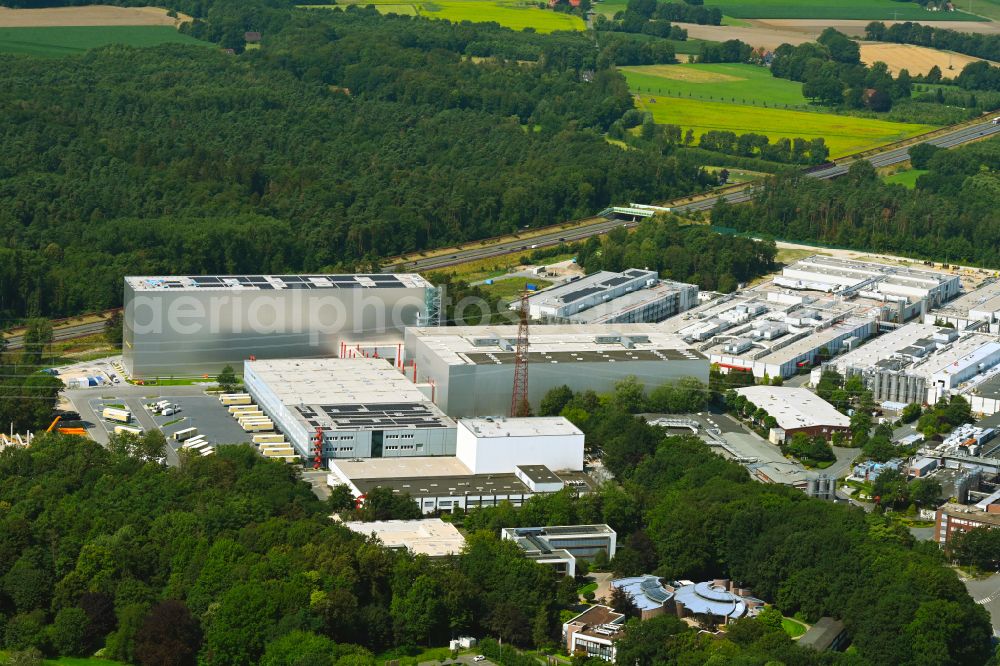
{"x":600,"y":226}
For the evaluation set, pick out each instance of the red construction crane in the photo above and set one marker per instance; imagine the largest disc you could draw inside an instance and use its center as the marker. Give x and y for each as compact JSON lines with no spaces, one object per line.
{"x":519,"y":405}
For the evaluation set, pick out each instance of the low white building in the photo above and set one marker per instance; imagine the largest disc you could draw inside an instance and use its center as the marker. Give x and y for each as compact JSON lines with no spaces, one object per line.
{"x":796,"y":410}
{"x":490,"y":445}
{"x":430,"y":536}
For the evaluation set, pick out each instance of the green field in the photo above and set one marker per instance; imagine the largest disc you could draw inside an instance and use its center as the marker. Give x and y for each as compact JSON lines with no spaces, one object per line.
{"x":793,"y":628}
{"x":844,"y":135}
{"x":988,"y":8}
{"x":869,"y":10}
{"x":610,"y":7}
{"x":515,"y":14}
{"x":906,"y":178}
{"x":734,"y":83}
{"x":58,"y":41}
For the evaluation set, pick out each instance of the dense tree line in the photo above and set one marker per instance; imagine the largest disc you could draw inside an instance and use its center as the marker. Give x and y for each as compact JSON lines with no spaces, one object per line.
{"x":626,"y":50}
{"x":650,"y":17}
{"x":350,"y":136}
{"x":831,"y":72}
{"x":691,"y":253}
{"x":229,"y":560}
{"x":951,"y":216}
{"x":794,"y":151}
{"x":683,"y":512}
{"x":984,"y":46}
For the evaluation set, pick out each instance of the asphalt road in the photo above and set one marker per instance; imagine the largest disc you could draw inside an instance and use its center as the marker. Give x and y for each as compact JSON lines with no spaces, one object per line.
{"x":64,"y":333}
{"x":986,"y":592}
{"x":600,"y":225}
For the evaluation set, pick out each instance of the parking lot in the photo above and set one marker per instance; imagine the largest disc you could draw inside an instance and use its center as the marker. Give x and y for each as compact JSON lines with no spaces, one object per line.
{"x":197,"y":409}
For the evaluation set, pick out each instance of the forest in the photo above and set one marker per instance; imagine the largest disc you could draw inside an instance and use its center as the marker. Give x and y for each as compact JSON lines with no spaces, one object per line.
{"x":350,"y":137}
{"x":230,"y":559}
{"x":690,"y":253}
{"x":951,"y":216}
{"x":683,"y":512}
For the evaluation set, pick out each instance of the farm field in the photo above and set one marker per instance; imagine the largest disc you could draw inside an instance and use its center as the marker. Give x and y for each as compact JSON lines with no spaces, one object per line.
{"x":68,"y":40}
{"x":915,"y":59}
{"x":842,"y":9}
{"x":610,"y":7}
{"x":844,"y":135}
{"x":94,"y":15}
{"x":733,"y":82}
{"x":515,"y":14}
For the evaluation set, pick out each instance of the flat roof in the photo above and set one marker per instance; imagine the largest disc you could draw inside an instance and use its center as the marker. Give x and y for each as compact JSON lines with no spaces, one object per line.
{"x":970,"y":513}
{"x":633,"y":300}
{"x":794,"y":407}
{"x":348,"y":394}
{"x":279,"y":282}
{"x":562,"y":531}
{"x":884,"y":346}
{"x":443,"y":475}
{"x":532,"y":426}
{"x":595,"y":283}
{"x":823,"y":634}
{"x":538,"y":473}
{"x":472,"y":345}
{"x":985,"y":298}
{"x":430,"y":536}
{"x":860,"y":270}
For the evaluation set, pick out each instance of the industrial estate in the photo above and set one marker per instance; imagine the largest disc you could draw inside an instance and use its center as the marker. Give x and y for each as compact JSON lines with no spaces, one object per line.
{"x":358,"y":380}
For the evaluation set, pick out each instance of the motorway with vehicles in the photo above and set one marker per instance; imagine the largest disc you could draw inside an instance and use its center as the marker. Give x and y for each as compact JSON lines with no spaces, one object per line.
{"x":597,"y":226}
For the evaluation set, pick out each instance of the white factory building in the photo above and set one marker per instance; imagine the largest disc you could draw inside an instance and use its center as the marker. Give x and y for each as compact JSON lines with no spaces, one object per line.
{"x":559,"y":546}
{"x":470,"y":369}
{"x":487,"y":445}
{"x":796,"y":410}
{"x":484,"y":472}
{"x":631,"y":296}
{"x":177,"y":326}
{"x":363,"y":408}
{"x":980,"y":307}
{"x":772,"y":332}
{"x":428,"y":536}
{"x":921,"y":363}
{"x":885,"y":282}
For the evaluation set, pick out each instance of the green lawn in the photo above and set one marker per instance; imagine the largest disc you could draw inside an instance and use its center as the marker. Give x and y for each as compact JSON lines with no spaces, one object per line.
{"x":793,"y":628}
{"x":844,"y":135}
{"x":734,"y":82}
{"x":72,"y":661}
{"x":515,"y":14}
{"x":589,"y":587}
{"x":511,"y":287}
{"x":610,"y":7}
{"x":988,"y":8}
{"x":869,"y":10}
{"x":906,"y":178}
{"x":60,"y":41}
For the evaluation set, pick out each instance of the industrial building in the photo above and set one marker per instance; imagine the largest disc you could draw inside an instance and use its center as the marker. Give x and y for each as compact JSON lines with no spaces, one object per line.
{"x":978,"y":308}
{"x":428,"y":536}
{"x":631,"y":296}
{"x":881,"y":282}
{"x":921,"y":363}
{"x":470,"y":369}
{"x":774,"y":333}
{"x":796,"y":410}
{"x":363,"y":407}
{"x":446,"y":484}
{"x":511,"y":454}
{"x":194,"y":325}
{"x":559,"y":546}
{"x":487,"y":445}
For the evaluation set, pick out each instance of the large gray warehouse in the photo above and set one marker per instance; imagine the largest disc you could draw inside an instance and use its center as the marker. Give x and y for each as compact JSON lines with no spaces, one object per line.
{"x":194,"y":325}
{"x":364,"y":407}
{"x":471,"y":368}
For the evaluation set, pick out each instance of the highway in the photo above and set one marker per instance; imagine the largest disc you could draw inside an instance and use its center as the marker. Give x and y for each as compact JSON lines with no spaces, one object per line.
{"x":601,"y":226}
{"x":63,"y":333}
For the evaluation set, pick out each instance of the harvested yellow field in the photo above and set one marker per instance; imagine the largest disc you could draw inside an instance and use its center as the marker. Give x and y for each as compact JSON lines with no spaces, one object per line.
{"x":94,"y":15}
{"x":687,"y":74}
{"x":915,"y":59}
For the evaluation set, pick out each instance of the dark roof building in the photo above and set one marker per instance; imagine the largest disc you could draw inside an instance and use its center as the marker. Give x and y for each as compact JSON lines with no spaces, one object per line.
{"x":826,"y":634}
{"x":251,"y":37}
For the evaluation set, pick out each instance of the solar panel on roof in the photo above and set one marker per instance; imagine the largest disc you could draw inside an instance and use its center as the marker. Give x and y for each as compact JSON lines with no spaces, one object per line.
{"x":614,"y":282}
{"x":581,"y":293}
